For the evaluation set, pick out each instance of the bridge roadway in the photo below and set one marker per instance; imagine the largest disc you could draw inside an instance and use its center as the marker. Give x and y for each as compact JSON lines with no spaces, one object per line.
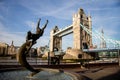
{"x":102,"y":50}
{"x":63,"y":32}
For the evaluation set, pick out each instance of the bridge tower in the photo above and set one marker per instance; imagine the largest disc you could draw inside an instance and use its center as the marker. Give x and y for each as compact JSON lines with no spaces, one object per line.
{"x":82,"y":40}
{"x":55,"y":41}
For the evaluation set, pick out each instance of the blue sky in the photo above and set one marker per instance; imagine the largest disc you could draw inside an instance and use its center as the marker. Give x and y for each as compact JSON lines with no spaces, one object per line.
{"x":19,"y":16}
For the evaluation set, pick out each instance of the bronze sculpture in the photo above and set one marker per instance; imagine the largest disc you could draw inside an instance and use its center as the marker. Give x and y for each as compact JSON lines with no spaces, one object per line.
{"x":30,"y":41}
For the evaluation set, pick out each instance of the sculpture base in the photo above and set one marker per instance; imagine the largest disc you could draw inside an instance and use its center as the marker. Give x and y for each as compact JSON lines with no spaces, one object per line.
{"x":48,"y":75}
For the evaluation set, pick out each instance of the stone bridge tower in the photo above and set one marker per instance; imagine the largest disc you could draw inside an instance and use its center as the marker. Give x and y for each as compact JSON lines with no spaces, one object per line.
{"x":82,"y":40}
{"x":55,"y":41}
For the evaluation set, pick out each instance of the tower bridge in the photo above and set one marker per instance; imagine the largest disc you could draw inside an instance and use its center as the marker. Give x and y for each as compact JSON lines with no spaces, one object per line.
{"x":81,"y":28}
{"x":81,"y":39}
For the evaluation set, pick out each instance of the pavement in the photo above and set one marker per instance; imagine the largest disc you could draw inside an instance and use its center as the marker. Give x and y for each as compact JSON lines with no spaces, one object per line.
{"x":102,"y":73}
{"x":111,"y":72}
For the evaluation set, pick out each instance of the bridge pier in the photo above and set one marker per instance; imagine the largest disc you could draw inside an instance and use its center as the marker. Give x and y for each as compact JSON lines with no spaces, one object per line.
{"x":72,"y":54}
{"x":78,"y":54}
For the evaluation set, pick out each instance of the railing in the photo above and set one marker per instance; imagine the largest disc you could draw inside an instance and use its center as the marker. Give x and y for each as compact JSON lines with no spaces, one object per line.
{"x":101,"y":49}
{"x":33,"y":61}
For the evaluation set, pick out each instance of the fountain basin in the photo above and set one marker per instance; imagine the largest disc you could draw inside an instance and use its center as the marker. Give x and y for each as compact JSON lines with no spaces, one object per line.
{"x":48,"y":74}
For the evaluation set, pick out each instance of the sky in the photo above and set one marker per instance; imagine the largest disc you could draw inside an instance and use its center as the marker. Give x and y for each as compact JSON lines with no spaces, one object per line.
{"x":19,"y":16}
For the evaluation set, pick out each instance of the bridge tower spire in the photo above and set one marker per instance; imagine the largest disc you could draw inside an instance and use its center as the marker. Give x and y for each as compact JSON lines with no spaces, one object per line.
{"x":102,"y":43}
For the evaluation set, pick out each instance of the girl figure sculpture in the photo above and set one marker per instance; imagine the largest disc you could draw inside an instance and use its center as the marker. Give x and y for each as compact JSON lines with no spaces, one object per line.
{"x":24,"y":49}
{"x":39,"y":32}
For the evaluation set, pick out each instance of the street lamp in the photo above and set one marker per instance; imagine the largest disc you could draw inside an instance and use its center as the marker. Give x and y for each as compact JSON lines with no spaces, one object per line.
{"x":118,"y":56}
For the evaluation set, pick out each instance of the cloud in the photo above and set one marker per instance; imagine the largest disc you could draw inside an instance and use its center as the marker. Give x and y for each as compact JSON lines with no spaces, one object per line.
{"x":110,"y":24}
{"x":58,"y":9}
{"x":31,"y":24}
{"x":110,"y":32}
{"x":7,"y":37}
{"x":20,"y":37}
{"x":4,"y":8}
{"x":42,"y":41}
{"x":1,"y":17}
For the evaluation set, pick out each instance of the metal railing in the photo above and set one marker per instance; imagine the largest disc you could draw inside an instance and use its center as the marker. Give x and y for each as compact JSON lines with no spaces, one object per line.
{"x":34,"y":61}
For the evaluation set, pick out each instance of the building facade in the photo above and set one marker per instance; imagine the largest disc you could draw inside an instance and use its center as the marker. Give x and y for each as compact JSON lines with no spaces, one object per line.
{"x":3,"y":49}
{"x":12,"y":50}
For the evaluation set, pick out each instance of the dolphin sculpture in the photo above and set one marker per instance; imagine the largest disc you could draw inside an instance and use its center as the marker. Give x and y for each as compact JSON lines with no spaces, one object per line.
{"x":25,"y":48}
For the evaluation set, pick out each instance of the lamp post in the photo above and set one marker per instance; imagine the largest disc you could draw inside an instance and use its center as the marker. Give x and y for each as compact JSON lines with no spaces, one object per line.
{"x":48,"y":57}
{"x":118,"y":56}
